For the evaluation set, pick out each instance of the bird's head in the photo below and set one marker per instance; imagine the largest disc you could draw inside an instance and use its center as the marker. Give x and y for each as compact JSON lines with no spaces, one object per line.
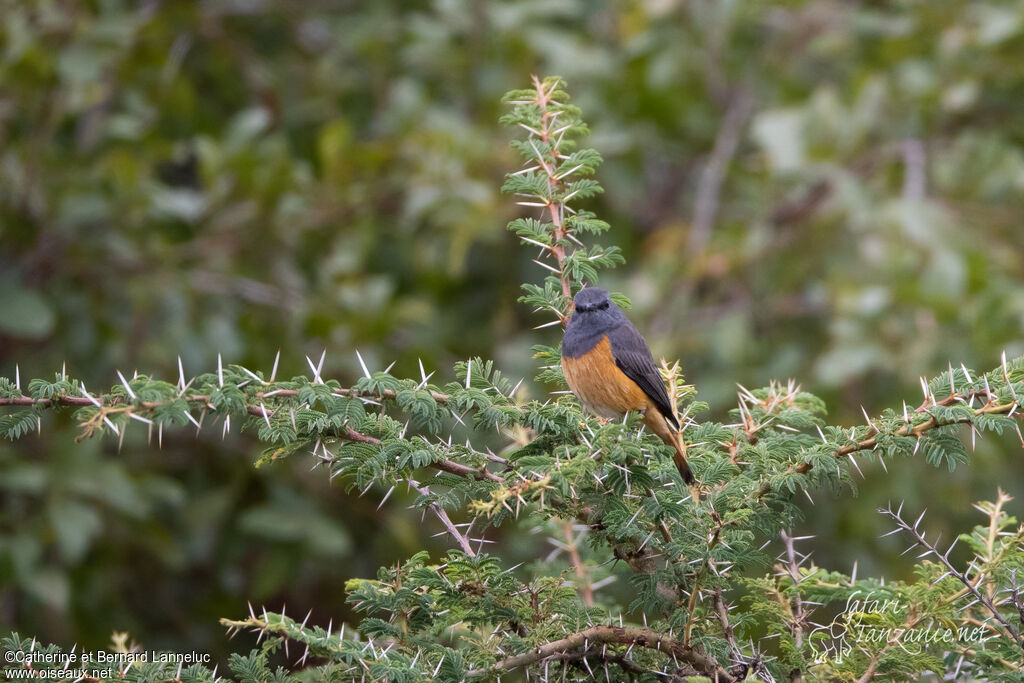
{"x":594,"y":310}
{"x":591,"y":300}
{"x":594,"y":315}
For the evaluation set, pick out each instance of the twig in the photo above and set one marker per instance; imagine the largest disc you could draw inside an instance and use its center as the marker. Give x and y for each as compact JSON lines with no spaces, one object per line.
{"x":876,"y":658}
{"x":203,"y":400}
{"x":1015,"y":597}
{"x":916,"y":431}
{"x":640,"y":637}
{"x":716,"y":537}
{"x":569,"y":530}
{"x":722,"y":612}
{"x":556,"y":209}
{"x":449,"y":466}
{"x":445,"y":520}
{"x":796,"y":625}
{"x":960,"y":576}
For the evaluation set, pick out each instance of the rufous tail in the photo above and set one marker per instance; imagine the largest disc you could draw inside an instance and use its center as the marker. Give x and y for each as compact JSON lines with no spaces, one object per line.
{"x":659,"y":425}
{"x":680,"y":460}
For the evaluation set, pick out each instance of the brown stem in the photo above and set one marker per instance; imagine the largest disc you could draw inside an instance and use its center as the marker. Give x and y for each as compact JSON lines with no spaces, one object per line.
{"x":723,"y":618}
{"x":716,"y":537}
{"x":943,"y":558}
{"x":445,"y":520}
{"x":346,"y":432}
{"x":916,"y":431}
{"x":796,"y":626}
{"x":876,"y":658}
{"x":582,"y":580}
{"x":449,"y":466}
{"x":640,"y":637}
{"x":555,"y":208}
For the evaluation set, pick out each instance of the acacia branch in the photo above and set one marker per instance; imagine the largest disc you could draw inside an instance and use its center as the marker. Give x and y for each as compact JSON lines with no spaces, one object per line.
{"x":444,"y":465}
{"x":799,"y":617}
{"x":283,"y":393}
{"x":556,"y":208}
{"x":728,"y":631}
{"x":587,"y":593}
{"x":203,"y":400}
{"x":971,"y":586}
{"x":445,"y":519}
{"x":914,"y":430}
{"x":640,"y":637}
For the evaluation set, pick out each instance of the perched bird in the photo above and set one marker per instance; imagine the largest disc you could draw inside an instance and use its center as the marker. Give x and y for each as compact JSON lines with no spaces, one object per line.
{"x":609,"y":367}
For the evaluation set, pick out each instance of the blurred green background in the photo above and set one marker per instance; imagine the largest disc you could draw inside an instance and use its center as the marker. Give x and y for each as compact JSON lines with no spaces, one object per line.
{"x":829,"y":191}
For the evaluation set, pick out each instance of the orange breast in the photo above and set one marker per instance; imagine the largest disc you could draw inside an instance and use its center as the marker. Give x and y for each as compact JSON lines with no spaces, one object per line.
{"x":600,"y":385}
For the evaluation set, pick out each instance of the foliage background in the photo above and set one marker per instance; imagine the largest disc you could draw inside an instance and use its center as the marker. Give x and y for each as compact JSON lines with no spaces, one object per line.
{"x":827,"y":191}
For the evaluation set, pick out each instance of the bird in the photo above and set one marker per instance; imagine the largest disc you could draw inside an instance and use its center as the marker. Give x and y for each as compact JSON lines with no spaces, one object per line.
{"x":609,"y":367}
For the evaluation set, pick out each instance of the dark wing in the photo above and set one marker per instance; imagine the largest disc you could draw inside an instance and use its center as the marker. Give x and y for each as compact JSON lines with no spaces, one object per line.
{"x":634,"y":358}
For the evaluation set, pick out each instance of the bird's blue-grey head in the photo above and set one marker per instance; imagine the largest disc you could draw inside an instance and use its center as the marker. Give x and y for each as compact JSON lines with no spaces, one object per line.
{"x":594,"y":316}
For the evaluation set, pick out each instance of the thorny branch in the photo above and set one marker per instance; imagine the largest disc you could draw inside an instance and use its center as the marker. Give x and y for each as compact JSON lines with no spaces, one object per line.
{"x":1015,"y":597}
{"x":791,"y":568}
{"x":586,"y":591}
{"x":640,"y":637}
{"x":439,"y":512}
{"x":991,"y":407}
{"x":971,"y":586}
{"x":110,"y":404}
{"x":549,"y":124}
{"x":729,"y":632}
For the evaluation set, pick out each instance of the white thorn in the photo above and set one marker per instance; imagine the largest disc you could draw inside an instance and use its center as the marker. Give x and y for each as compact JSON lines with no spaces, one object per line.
{"x":556,"y":271}
{"x":316,"y":371}
{"x":385,"y":498}
{"x":1006,"y":376}
{"x":362,"y":364}
{"x":966,"y":374}
{"x":126,"y":387}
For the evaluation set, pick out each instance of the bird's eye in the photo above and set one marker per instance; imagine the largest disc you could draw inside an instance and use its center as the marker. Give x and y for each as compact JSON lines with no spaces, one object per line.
{"x":587,"y":308}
